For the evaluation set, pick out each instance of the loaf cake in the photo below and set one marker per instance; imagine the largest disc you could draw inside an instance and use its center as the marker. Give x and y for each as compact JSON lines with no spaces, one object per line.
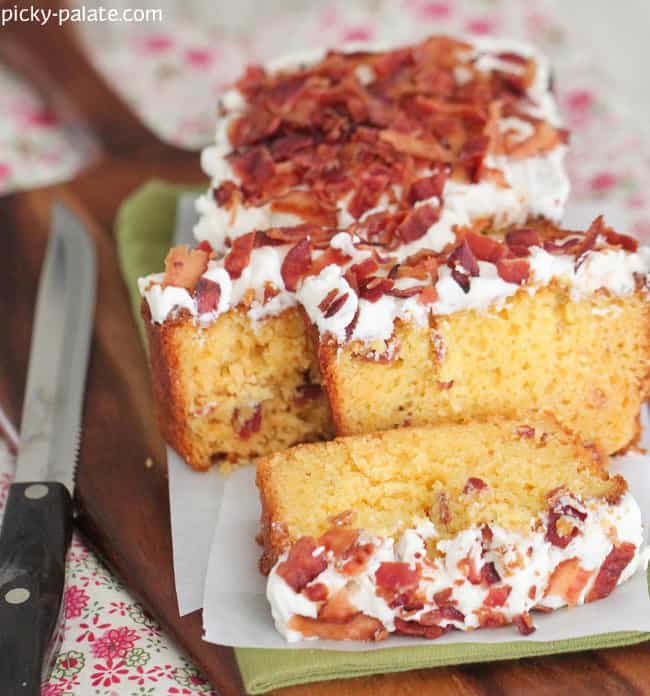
{"x":380,"y":228}
{"x":419,"y":531}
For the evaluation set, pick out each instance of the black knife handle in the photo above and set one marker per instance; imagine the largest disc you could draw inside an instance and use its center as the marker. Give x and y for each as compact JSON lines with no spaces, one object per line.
{"x":34,"y":540}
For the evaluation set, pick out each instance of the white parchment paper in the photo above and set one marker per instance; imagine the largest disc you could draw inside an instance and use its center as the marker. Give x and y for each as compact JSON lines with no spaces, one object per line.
{"x":235,"y":610}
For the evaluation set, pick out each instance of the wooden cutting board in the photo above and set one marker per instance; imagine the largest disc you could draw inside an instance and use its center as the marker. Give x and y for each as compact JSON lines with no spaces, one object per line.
{"x":121,"y":484}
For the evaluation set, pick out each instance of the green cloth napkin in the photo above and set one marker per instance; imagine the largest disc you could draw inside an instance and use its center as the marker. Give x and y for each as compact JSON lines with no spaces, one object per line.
{"x":144,"y":231}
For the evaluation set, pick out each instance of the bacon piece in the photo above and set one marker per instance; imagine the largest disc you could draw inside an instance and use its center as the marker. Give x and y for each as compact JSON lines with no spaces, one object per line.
{"x":358,"y":559}
{"x":417,"y":223}
{"x":285,"y":147}
{"x":555,"y":513}
{"x":254,"y":126}
{"x":489,"y":574}
{"x":301,"y":566}
{"x":474,"y":484}
{"x":410,"y":145}
{"x":497,"y":596}
{"x":206,"y":246}
{"x":308,"y":206}
{"x":485,"y":248}
{"x":270,"y":291}
{"x":545,"y":138}
{"x":373,"y":288}
{"x":339,"y":540}
{"x":240,"y":255}
{"x":568,"y":580}
{"x":360,"y":627}
{"x":463,"y":257}
{"x":184,"y":267}
{"x":443,"y":597}
{"x":623,"y":240}
{"x":413,"y":628}
{"x":225,"y":194}
{"x":316,"y":593}
{"x":428,"y":186}
{"x":245,"y":428}
{"x":472,"y":155}
{"x":296,"y":264}
{"x":520,"y":240}
{"x":490,"y":619}
{"x":513,"y":270}
{"x":331,"y":256}
{"x":610,"y":571}
{"x":207,"y":295}
{"x":396,"y":577}
{"x":254,"y":167}
{"x":524,"y":624}
{"x":338,"y":609}
{"x":427,"y":296}
{"x":332,"y":304}
{"x":443,"y":508}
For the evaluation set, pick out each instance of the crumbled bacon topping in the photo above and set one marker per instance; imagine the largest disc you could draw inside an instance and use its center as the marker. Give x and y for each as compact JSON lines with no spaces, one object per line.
{"x":565,"y":511}
{"x":610,"y":571}
{"x":207,"y":295}
{"x":302,"y":565}
{"x":474,"y":484}
{"x":184,"y":267}
{"x":524,"y":624}
{"x":296,"y":263}
{"x":239,"y":255}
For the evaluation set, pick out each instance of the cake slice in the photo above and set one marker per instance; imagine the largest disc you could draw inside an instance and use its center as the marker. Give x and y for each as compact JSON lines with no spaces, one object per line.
{"x":335,"y":159}
{"x":419,"y":531}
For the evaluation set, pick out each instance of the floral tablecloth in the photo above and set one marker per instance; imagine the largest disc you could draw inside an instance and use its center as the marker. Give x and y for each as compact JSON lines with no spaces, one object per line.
{"x":111,"y":647}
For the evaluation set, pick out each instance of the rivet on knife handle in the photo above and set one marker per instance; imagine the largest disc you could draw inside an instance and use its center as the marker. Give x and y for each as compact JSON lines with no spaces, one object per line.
{"x":33,"y":542}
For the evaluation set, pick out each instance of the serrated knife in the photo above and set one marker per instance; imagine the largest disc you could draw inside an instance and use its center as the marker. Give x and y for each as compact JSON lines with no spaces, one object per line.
{"x":38,"y":518}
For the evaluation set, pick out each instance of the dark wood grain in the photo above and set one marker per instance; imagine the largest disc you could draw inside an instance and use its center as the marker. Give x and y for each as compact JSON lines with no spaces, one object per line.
{"x":123,"y":503}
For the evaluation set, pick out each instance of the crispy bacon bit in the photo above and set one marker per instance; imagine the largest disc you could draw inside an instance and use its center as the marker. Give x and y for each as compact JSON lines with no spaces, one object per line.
{"x":417,"y":223}
{"x":359,"y":627}
{"x":429,"y":186}
{"x":610,"y":571}
{"x":443,"y":597}
{"x":358,"y":559}
{"x":339,"y":540}
{"x":255,"y":125}
{"x":472,"y":155}
{"x":413,"y":628}
{"x":519,"y":241}
{"x":622,"y":240}
{"x":489,"y":574}
{"x":474,"y":484}
{"x":396,"y":577}
{"x":445,"y":385}
{"x":245,"y":428}
{"x":490,"y":619}
{"x":497,"y":596}
{"x":338,"y":609}
{"x":568,"y":580}
{"x":372,"y":289}
{"x":253,"y":166}
{"x":485,"y":248}
{"x":207,"y":295}
{"x":427,"y":296}
{"x":205,"y":246}
{"x":463,"y":264}
{"x":343,"y":518}
{"x":240,"y":255}
{"x":224,"y":194}
{"x":332,"y":303}
{"x":513,"y":270}
{"x":296,"y":264}
{"x":330,"y":256}
{"x":317,"y":592}
{"x":532,"y":592}
{"x":525,"y":431}
{"x":184,"y":267}
{"x":524,"y":624}
{"x":270,"y":291}
{"x":410,"y":145}
{"x":301,"y":566}
{"x":286,"y":146}
{"x":308,"y":206}
{"x":555,"y":513}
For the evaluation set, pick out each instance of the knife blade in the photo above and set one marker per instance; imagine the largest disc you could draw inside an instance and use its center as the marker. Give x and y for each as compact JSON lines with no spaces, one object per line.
{"x":37,"y":524}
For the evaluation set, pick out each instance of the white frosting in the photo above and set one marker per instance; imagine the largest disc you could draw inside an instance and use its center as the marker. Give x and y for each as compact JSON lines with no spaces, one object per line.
{"x":522,"y":561}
